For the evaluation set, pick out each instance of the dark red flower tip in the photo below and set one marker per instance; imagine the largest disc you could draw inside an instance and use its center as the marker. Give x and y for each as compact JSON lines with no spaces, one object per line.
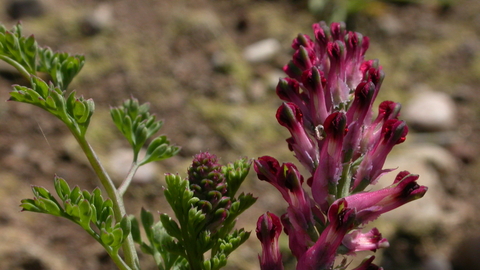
{"x":321,"y":32}
{"x":266,"y":168}
{"x":389,"y":110}
{"x":400,"y":176}
{"x":364,"y":93}
{"x":395,"y":131}
{"x":293,"y":178}
{"x":335,"y":50}
{"x":269,"y":227}
{"x":286,"y":88}
{"x":410,"y":189}
{"x":338,"y":30}
{"x":313,"y":79}
{"x":336,"y":124}
{"x":292,"y":70}
{"x":288,"y":115}
{"x":302,"y":40}
{"x":304,"y":58}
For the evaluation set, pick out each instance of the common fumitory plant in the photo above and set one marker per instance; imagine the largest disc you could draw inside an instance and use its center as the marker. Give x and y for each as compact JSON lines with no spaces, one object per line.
{"x":201,"y":236}
{"x":328,"y":109}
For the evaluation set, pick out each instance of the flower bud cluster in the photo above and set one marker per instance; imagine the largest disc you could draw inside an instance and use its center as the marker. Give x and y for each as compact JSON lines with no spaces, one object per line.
{"x":328,"y":109}
{"x":208,"y":184}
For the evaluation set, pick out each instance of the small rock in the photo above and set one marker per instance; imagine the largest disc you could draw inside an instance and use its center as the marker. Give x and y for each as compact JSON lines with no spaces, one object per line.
{"x":262,"y":50}
{"x":436,"y":262}
{"x":120,"y":161}
{"x":430,"y":111}
{"x":221,"y":62}
{"x":18,"y":9}
{"x":436,"y":210}
{"x":99,"y":19}
{"x":390,"y":24}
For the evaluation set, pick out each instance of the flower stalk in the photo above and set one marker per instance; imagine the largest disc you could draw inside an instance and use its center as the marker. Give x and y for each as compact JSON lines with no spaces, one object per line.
{"x":328,"y":109}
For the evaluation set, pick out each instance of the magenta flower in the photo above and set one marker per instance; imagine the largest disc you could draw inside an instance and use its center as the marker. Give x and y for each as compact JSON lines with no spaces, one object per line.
{"x":288,"y":180}
{"x":321,"y":255}
{"x":370,"y":205}
{"x":358,"y":241}
{"x":328,"y":110}
{"x":268,"y":230}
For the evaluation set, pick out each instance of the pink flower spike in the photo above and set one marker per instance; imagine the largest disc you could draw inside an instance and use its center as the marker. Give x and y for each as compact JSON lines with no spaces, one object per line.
{"x":268,"y":230}
{"x":370,"y":205}
{"x":358,"y":241}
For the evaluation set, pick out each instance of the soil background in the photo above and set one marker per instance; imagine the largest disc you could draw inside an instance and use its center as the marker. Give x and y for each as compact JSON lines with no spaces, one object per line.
{"x":186,"y":59}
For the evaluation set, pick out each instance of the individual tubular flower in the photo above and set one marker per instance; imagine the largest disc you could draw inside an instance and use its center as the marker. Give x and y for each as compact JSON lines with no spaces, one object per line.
{"x":288,"y":180}
{"x":328,"y":171}
{"x":370,"y":205}
{"x":393,"y":132}
{"x":290,"y":116}
{"x":268,"y":230}
{"x":321,"y":255}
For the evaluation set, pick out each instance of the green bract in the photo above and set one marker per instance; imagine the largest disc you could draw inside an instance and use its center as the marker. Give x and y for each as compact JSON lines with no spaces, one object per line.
{"x":84,"y":208}
{"x":74,"y":111}
{"x":138,"y":125}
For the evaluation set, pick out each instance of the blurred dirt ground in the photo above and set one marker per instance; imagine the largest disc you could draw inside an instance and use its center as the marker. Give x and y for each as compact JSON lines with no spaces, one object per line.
{"x":185,"y":58}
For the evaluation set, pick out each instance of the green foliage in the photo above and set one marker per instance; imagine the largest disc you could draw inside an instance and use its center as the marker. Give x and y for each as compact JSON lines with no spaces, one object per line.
{"x":202,"y":224}
{"x":83,"y":208}
{"x":138,"y":125}
{"x":62,"y":67}
{"x":18,"y":50}
{"x":28,"y":58}
{"x":183,"y":243}
{"x":74,"y":111}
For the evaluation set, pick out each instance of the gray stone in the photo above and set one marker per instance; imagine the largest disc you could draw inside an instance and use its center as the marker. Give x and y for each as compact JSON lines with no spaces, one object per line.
{"x":437,"y":262}
{"x":430,"y":111}
{"x":262,"y":50}
{"x":436,"y":210}
{"x":120,"y":161}
{"x":98,"y":20}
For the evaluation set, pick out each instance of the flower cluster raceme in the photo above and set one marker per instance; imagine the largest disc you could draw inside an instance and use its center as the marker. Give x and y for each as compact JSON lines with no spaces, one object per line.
{"x":328,"y":109}
{"x":209,"y":185}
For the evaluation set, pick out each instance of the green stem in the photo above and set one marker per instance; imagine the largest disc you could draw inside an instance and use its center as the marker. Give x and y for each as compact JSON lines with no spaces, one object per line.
{"x":129,"y":251}
{"x":194,"y":259}
{"x":124,"y":186}
{"x":16,"y":65}
{"x":345,"y":180}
